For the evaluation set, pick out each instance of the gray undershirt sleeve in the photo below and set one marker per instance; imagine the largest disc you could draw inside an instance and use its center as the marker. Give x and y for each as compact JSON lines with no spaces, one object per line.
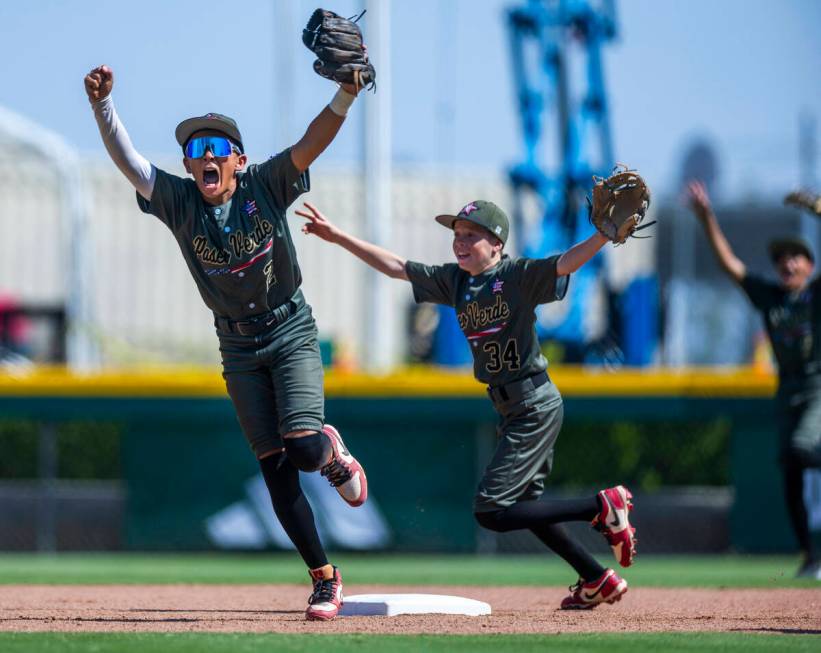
{"x":137,"y":169}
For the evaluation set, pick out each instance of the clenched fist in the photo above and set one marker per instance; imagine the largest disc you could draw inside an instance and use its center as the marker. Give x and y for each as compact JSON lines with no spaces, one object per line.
{"x":99,"y":83}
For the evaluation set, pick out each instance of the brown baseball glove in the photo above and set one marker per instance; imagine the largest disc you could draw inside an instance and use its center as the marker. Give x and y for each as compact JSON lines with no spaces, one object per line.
{"x":804,"y":200}
{"x":619,"y":204}
{"x":341,"y":54}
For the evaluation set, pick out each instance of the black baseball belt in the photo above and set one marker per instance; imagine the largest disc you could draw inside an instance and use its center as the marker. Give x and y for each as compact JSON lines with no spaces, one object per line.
{"x":263,"y":322}
{"x":515,"y":390}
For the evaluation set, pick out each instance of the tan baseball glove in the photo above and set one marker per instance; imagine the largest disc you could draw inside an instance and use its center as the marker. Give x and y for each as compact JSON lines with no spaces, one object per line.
{"x":619,"y":204}
{"x":804,"y":200}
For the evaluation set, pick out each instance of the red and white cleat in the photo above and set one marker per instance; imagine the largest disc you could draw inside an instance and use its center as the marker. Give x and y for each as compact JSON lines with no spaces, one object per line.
{"x":326,"y":599}
{"x":614,"y":523}
{"x":608,"y":588}
{"x":344,"y":472}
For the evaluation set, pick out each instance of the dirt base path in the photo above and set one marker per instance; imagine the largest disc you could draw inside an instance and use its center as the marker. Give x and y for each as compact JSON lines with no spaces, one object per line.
{"x":279,"y":608}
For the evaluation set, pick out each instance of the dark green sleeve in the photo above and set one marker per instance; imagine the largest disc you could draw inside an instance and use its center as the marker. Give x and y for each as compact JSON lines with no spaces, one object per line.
{"x":281,"y":177}
{"x":540,"y":282}
{"x":170,"y":200}
{"x":762,"y":293}
{"x":433,"y":283}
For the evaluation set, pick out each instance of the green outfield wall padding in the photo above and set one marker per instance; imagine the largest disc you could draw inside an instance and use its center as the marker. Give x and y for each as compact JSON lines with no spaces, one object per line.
{"x":185,"y":459}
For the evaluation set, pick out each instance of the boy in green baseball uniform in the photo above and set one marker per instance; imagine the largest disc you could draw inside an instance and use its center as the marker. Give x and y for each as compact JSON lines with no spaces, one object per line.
{"x":791,"y":310}
{"x":229,"y":222}
{"x":495,"y":297}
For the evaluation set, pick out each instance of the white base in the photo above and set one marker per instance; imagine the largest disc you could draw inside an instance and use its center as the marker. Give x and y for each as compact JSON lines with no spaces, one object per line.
{"x":390,"y":605}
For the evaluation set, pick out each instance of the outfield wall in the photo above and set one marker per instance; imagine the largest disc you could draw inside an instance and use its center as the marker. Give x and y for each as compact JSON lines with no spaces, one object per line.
{"x":422,"y":435}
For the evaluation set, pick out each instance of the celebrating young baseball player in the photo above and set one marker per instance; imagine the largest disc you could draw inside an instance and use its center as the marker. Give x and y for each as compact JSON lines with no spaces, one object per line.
{"x":495,"y":297}
{"x":229,"y":222}
{"x":791,"y":309}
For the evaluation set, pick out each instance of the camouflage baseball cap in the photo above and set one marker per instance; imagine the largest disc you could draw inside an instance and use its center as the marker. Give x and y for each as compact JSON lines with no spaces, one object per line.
{"x":485,"y":214}
{"x":215,"y":121}
{"x":778,"y":247}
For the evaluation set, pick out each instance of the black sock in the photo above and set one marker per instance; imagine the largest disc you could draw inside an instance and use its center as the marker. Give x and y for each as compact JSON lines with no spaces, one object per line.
{"x":527,"y":514}
{"x":541,"y":518}
{"x":292,"y":508}
{"x":555,"y":537}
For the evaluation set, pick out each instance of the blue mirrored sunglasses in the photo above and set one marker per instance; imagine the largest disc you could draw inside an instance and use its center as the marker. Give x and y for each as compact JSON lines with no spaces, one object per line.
{"x":219,"y":146}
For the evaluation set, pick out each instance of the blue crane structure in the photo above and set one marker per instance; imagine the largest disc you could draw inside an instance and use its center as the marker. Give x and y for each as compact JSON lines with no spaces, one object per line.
{"x":567,"y":140}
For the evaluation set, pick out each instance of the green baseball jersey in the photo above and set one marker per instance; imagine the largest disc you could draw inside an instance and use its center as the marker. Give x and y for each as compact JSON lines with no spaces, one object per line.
{"x":240,"y":254}
{"x":496,"y":310}
{"x":793,"y":322}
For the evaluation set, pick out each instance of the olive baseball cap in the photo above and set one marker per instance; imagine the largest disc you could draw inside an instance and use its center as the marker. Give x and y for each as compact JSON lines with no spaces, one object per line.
{"x":778,"y":247}
{"x":215,"y":121}
{"x":485,"y":214}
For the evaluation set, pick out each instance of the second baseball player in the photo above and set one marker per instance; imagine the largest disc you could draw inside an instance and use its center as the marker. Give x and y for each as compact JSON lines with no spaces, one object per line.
{"x":495,"y":297}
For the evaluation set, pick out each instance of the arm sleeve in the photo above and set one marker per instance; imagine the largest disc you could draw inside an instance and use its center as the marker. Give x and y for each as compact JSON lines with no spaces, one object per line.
{"x":131,"y":163}
{"x":540,"y":282}
{"x":283,"y":180}
{"x":758,"y":290}
{"x":432,"y":283}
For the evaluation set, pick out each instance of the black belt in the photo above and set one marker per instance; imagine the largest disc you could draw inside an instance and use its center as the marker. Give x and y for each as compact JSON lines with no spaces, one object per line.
{"x":257,"y":324}
{"x":516,"y":389}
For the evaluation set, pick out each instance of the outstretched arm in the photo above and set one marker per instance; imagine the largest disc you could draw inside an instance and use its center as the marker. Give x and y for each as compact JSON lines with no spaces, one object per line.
{"x":700,"y":203}
{"x":323,"y":129}
{"x":380,"y":259}
{"x":136,"y":168}
{"x":579,"y":254}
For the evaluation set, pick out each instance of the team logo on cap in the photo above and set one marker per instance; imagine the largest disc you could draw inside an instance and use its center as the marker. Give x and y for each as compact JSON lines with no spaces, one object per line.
{"x":470,"y":208}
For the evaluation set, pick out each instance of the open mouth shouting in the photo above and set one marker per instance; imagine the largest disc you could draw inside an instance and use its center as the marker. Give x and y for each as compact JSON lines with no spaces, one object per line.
{"x":210,"y":178}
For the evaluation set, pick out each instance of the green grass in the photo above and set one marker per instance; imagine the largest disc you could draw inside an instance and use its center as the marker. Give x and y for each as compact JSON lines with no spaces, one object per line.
{"x":239,"y":643}
{"x":649,"y":571}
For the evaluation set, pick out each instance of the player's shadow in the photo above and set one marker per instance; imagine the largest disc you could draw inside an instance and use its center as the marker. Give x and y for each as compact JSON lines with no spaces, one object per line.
{"x":783,"y":631}
{"x":194,"y":610}
{"x":135,"y":620}
{"x":169,"y":620}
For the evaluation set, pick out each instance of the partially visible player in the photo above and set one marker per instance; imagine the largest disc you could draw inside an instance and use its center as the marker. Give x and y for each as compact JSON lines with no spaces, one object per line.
{"x":229,"y":222}
{"x":791,"y":310}
{"x":495,"y":297}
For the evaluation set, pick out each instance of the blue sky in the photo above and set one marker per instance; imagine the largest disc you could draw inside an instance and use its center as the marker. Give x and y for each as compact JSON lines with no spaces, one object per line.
{"x":735,"y":72}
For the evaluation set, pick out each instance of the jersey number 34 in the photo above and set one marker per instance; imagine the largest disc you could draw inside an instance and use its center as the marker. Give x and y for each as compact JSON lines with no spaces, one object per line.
{"x":499,"y":357}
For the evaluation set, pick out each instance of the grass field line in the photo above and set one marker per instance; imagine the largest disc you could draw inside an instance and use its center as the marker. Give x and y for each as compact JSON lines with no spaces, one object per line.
{"x":241,"y":643}
{"x":388,"y":569}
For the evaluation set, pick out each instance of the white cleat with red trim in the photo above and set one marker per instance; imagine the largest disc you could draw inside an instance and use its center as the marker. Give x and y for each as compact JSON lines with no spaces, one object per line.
{"x":326,"y":599}
{"x":608,"y":588}
{"x":344,"y":472}
{"x":614,"y":523}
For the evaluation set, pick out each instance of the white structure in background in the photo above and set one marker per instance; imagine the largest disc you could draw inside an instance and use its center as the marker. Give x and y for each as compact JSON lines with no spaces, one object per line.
{"x":74,"y":244}
{"x":382,"y":308}
{"x":284,"y":82}
{"x":146,"y":306}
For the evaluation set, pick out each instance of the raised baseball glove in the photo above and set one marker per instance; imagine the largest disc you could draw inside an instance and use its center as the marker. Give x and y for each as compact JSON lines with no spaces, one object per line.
{"x":619,"y":204}
{"x":337,"y":43}
{"x":804,"y":200}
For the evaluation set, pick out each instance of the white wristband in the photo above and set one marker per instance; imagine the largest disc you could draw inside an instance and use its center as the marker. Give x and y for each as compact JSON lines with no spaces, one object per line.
{"x":342,"y":102}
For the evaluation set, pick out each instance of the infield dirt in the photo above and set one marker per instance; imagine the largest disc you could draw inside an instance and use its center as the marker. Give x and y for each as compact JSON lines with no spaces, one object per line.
{"x":279,"y":608}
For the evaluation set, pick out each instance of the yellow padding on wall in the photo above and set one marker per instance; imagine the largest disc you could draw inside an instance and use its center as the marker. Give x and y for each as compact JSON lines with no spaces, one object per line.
{"x":573,"y":381}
